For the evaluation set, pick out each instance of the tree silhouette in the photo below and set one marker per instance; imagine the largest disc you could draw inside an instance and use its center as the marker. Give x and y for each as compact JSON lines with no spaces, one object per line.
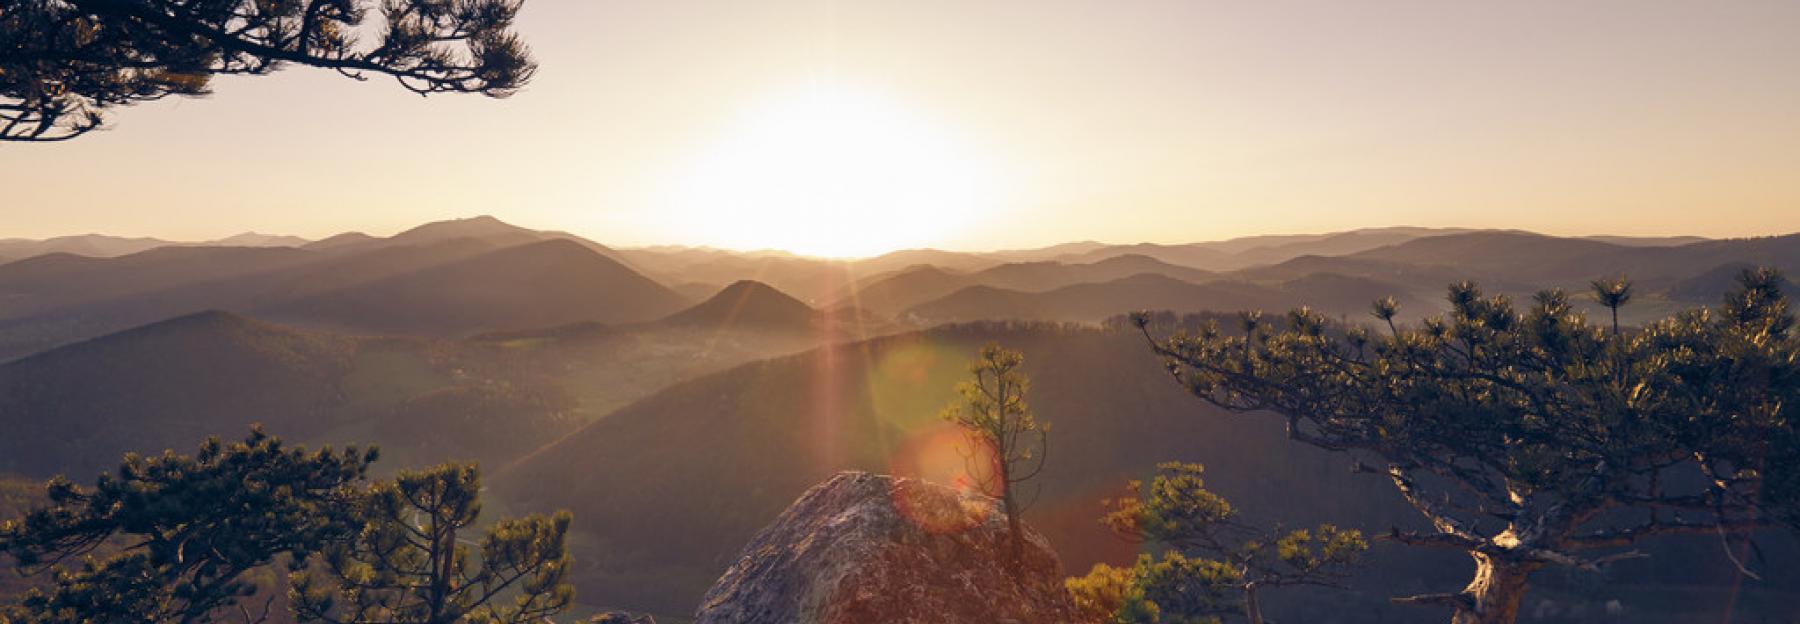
{"x":1535,"y":438}
{"x":1009,"y":446}
{"x":169,"y":538}
{"x":1215,"y":563}
{"x":409,"y":563}
{"x":64,"y":62}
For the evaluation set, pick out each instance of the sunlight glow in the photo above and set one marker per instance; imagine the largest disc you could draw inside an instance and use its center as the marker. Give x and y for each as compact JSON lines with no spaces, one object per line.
{"x":833,"y":171}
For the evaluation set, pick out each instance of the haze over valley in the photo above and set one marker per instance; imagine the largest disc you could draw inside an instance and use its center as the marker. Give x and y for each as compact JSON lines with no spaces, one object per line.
{"x":678,"y":398}
{"x":926,"y":312}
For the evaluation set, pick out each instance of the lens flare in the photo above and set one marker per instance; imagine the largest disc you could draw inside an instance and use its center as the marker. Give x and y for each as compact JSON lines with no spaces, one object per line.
{"x":944,"y":455}
{"x":908,"y":386}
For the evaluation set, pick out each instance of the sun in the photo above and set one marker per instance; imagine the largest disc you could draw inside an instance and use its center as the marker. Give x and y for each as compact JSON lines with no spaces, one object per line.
{"x":832,"y":171}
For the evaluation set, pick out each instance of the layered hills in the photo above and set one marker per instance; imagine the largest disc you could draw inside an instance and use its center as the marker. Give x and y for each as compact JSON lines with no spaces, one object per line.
{"x":667,"y":490}
{"x":449,"y":279}
{"x":677,"y":399}
{"x":493,"y":397}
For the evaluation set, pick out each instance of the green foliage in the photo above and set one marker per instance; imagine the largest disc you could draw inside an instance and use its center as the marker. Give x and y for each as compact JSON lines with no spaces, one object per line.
{"x":1513,"y":431}
{"x":1215,"y":562}
{"x":1176,"y":510}
{"x":180,"y":531}
{"x":409,"y":564}
{"x":1010,"y":445}
{"x":67,"y":61}
{"x":1103,"y":592}
{"x":993,"y":410}
{"x":1177,"y":589}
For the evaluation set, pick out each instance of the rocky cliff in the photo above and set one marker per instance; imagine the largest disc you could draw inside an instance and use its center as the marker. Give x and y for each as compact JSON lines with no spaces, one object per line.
{"x":864,"y":548}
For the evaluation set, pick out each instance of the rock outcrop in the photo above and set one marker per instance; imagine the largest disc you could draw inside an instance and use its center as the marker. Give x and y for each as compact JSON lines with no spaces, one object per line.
{"x":865,"y":549}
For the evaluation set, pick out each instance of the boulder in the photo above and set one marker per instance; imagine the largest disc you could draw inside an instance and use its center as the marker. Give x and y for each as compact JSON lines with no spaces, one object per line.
{"x":864,"y":548}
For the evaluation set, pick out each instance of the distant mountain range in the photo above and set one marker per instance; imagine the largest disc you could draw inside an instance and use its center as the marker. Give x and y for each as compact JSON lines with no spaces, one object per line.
{"x":470,"y":276}
{"x":103,"y":246}
{"x":444,"y":279}
{"x":696,"y":391}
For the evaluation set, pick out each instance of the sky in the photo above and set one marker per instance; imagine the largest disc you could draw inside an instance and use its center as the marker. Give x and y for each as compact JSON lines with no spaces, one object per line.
{"x":848,"y":128}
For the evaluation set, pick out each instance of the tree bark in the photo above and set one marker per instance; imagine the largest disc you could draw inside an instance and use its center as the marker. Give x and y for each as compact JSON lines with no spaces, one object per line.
{"x":1495,"y":593}
{"x":1252,"y":607}
{"x":1015,"y":534}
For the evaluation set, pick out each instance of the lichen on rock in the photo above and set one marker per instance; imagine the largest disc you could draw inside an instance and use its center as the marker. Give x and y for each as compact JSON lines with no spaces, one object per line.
{"x":864,"y":548}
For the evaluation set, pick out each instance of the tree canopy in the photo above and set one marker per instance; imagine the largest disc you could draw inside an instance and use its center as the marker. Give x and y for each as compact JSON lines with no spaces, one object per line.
{"x":169,"y":538}
{"x":1214,"y":563}
{"x":1535,"y":438}
{"x":63,"y":63}
{"x":175,"y":538}
{"x":1009,"y":446}
{"x":410,"y":564}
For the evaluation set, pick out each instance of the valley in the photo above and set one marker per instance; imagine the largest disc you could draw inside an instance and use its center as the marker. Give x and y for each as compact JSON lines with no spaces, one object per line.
{"x":678,"y":399}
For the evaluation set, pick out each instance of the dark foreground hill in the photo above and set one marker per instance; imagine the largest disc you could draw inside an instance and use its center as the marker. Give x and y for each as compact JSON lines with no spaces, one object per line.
{"x":666,"y":491}
{"x":167,"y":385}
{"x":494,"y":398}
{"x":76,"y":409}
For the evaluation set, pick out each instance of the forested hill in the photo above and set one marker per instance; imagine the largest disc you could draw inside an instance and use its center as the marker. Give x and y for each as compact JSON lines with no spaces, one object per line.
{"x":666,"y":490}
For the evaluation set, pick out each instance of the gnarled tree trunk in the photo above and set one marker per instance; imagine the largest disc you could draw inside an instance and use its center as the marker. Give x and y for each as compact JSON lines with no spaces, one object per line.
{"x":1252,"y":605}
{"x":1493,"y":597}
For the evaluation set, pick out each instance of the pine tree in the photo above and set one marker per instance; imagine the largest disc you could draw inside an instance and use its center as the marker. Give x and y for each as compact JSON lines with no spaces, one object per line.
{"x":65,"y":62}
{"x":1009,"y":446}
{"x":1214,"y":562}
{"x":410,"y":561}
{"x":170,"y":538}
{"x":1514,"y":432}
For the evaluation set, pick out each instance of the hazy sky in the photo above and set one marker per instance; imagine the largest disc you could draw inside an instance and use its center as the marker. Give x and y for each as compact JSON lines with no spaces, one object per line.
{"x":993,"y":124}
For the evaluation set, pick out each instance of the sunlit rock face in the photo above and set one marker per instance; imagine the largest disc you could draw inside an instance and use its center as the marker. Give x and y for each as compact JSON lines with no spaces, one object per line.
{"x":864,"y":548}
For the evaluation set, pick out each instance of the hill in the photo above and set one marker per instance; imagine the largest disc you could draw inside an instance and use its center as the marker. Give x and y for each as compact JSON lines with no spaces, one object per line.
{"x":896,"y":260}
{"x":256,"y":239}
{"x":896,"y":292}
{"x":1649,"y":241}
{"x":539,"y":284}
{"x":485,"y":229}
{"x":1515,"y":255}
{"x":1193,"y":255}
{"x":1248,"y":251}
{"x":347,"y":240}
{"x":747,"y":304}
{"x":91,"y":245}
{"x":740,"y":445}
{"x":1571,"y":262}
{"x":1273,"y":249}
{"x":1043,"y":276}
{"x":1095,"y":302}
{"x":76,"y":409}
{"x":811,"y":280}
{"x":59,"y":280}
{"x":1708,"y":287}
{"x":301,"y":274}
{"x":166,"y":385}
{"x":671,"y":487}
